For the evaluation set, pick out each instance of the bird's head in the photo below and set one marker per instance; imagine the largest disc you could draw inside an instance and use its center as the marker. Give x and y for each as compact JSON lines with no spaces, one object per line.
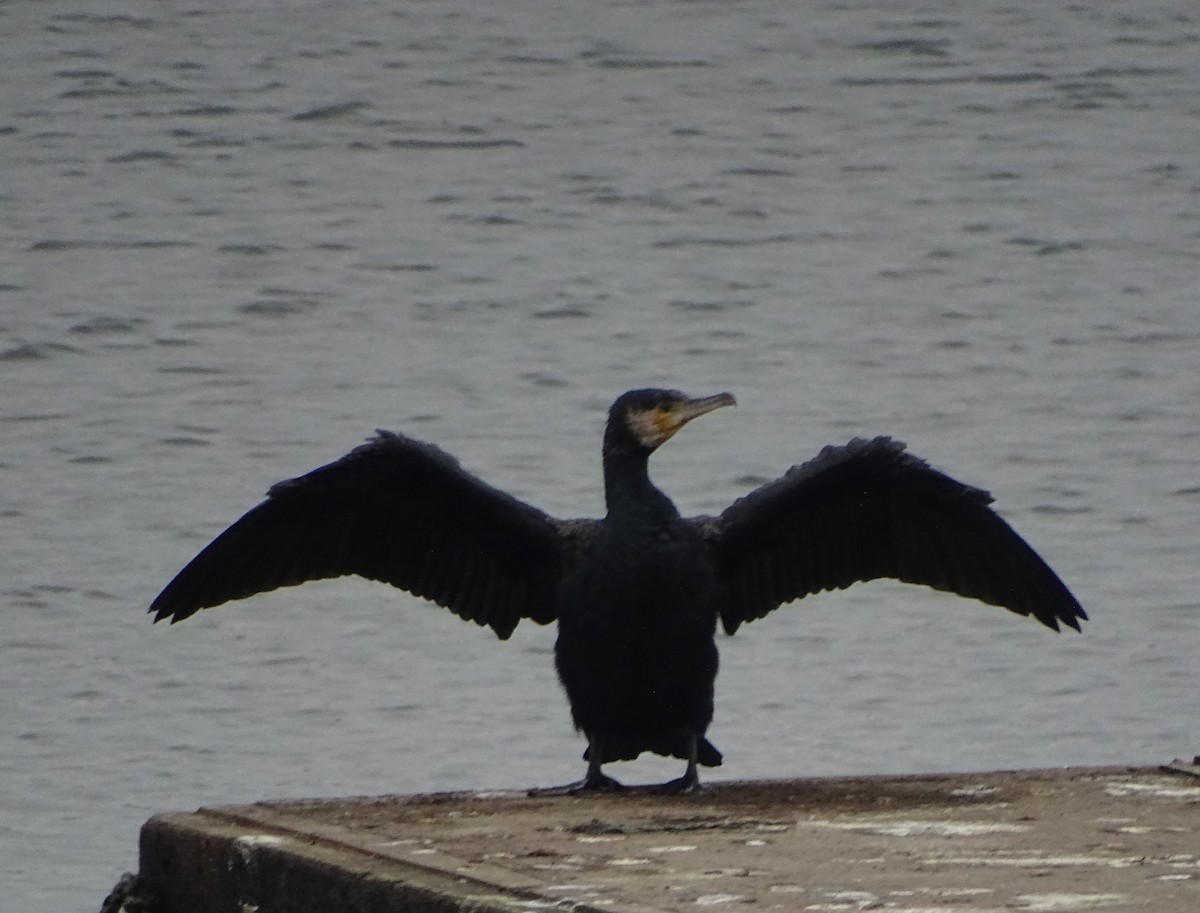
{"x":642,"y":420}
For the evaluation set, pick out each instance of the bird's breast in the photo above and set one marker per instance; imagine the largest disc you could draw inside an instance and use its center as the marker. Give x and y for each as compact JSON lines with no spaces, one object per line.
{"x":634,"y":577}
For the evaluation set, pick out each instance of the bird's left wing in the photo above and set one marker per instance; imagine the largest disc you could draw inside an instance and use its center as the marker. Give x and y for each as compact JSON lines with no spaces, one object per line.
{"x":869,"y":510}
{"x":395,"y":510}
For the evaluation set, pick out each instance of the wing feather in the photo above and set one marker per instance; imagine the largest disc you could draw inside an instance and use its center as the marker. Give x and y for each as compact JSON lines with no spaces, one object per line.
{"x":869,"y":510}
{"x":394,"y":510}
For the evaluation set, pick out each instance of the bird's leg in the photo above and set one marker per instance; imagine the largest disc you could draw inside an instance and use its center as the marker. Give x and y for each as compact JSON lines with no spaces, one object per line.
{"x":594,"y":781}
{"x":690,"y":781}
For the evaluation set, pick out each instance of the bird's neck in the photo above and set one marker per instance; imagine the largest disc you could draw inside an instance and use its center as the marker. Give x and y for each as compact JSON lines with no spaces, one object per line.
{"x":628,"y":491}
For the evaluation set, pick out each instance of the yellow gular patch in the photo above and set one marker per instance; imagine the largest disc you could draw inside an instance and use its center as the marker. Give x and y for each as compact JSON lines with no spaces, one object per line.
{"x":653,"y":426}
{"x":668,"y":422}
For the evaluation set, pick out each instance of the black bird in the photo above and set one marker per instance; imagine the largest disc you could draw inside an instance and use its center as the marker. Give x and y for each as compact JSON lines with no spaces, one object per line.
{"x":636,"y":594}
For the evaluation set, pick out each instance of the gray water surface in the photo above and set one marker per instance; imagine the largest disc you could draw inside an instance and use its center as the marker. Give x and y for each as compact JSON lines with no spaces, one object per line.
{"x":237,"y":239}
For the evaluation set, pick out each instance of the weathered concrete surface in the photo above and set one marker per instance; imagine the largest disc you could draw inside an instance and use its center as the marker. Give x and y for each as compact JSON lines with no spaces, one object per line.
{"x":1056,"y":840}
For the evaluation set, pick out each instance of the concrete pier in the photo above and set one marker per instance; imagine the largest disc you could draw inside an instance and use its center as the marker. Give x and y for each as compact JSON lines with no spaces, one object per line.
{"x":1068,"y":839}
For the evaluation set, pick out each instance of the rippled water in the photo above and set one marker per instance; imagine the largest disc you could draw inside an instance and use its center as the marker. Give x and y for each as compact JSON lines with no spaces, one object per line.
{"x":236,"y":240}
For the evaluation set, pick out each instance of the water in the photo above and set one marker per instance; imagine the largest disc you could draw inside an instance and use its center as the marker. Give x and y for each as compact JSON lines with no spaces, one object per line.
{"x":236,"y":240}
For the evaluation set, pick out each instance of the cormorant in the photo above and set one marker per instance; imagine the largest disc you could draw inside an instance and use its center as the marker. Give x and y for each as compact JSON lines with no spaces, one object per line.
{"x":636,"y":594}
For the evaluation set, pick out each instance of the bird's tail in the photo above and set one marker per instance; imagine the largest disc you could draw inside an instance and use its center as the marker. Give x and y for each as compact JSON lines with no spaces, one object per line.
{"x":707,"y":753}
{"x":669,"y":746}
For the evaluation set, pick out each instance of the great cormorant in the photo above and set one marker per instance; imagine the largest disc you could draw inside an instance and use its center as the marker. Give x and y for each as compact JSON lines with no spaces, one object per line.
{"x":636,"y":594}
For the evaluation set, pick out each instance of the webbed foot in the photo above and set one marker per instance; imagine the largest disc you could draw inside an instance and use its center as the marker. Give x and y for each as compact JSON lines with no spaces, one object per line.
{"x":592,"y":784}
{"x":687,"y":785}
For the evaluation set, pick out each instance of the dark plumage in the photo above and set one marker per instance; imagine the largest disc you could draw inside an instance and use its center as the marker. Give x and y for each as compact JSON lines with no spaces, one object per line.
{"x":637,"y":594}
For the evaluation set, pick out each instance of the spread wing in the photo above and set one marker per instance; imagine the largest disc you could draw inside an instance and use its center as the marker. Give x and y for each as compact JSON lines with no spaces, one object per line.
{"x":395,"y":510}
{"x":870,"y":510}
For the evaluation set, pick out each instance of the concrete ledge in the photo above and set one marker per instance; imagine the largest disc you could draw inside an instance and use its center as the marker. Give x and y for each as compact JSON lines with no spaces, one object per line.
{"x":1061,"y":840}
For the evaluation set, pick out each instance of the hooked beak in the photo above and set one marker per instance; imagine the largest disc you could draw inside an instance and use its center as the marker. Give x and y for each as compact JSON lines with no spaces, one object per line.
{"x":701,"y":405}
{"x":680,"y":413}
{"x":655,"y":426}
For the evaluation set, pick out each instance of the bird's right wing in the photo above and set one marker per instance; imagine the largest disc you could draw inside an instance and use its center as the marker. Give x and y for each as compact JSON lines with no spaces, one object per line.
{"x":870,"y":510}
{"x":395,"y":510}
